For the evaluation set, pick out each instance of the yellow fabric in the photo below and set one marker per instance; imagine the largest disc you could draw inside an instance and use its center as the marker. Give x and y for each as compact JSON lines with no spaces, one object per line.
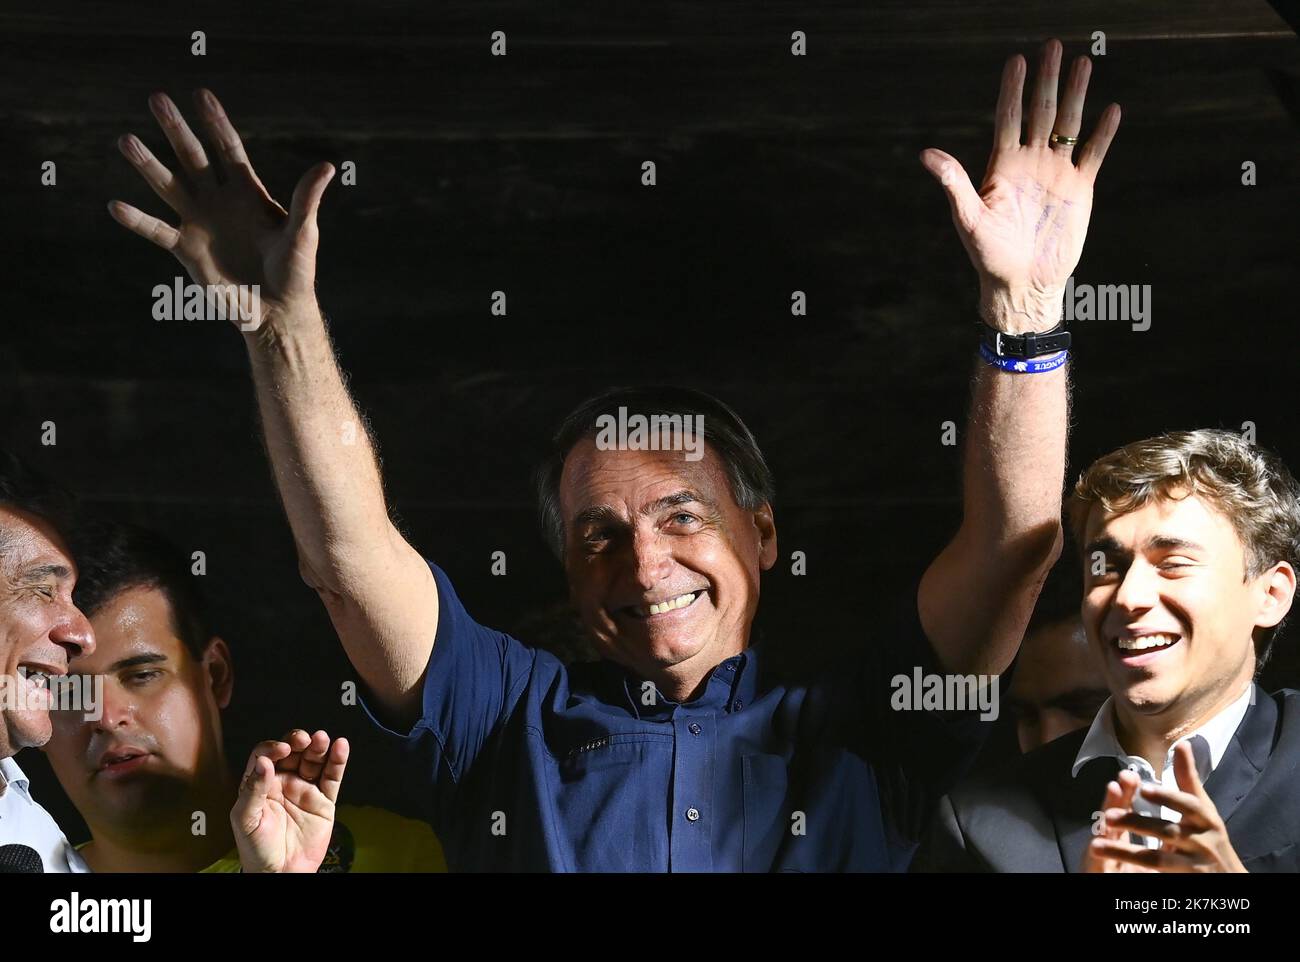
{"x":384,"y":843}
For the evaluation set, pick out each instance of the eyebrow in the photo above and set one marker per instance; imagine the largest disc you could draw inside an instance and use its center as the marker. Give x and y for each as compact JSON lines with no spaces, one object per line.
{"x":1109,"y":545}
{"x":37,"y":572}
{"x":604,"y":512}
{"x":149,"y":658}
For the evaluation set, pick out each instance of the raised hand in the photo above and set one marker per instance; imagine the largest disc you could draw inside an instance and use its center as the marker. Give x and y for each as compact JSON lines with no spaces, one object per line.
{"x":284,"y":816}
{"x":1024,"y":228}
{"x":1197,"y":842}
{"x":232,"y":232}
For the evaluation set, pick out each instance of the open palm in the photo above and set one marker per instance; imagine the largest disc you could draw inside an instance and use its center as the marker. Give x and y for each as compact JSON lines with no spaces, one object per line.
{"x":232,"y":232}
{"x":284,"y":817}
{"x":1024,"y":228}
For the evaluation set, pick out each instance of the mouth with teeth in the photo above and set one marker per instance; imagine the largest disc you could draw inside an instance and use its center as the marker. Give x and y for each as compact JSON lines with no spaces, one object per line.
{"x":1139,"y":649}
{"x":39,"y":681}
{"x":665,"y":607}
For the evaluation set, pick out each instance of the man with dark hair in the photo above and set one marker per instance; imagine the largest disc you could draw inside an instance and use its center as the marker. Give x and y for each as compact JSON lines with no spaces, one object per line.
{"x":41,"y":630}
{"x":1190,"y":547}
{"x":1058,"y":684}
{"x":115,"y":556}
{"x":155,"y":756}
{"x":676,"y":751}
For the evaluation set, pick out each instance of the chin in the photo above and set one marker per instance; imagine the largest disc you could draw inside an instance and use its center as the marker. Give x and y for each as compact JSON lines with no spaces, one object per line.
{"x":1149,"y":698}
{"x":669,"y":651}
{"x":29,"y":729}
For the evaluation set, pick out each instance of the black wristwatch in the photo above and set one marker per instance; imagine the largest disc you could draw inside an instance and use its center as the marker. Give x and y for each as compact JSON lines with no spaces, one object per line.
{"x":1025,"y":345}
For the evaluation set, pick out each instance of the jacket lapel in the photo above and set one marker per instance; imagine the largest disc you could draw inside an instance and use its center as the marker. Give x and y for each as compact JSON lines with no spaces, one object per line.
{"x":1075,"y":801}
{"x":1244,"y":759}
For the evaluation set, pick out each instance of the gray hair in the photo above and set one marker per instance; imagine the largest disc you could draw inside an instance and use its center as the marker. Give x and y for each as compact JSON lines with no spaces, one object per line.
{"x":750,"y":478}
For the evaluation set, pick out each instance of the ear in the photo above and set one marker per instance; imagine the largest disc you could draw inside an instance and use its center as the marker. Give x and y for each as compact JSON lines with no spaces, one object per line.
{"x":219,"y":670}
{"x":765,"y":524}
{"x":1278,"y":584}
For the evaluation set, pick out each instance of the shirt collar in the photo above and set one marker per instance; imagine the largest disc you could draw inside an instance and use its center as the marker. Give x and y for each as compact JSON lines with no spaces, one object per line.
{"x":1101,"y":741}
{"x":11,"y":776}
{"x":730,"y":687}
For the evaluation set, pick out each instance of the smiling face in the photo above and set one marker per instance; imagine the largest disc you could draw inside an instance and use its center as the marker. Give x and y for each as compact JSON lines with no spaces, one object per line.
{"x":157,"y":744}
{"x":663,"y":564}
{"x":1174,"y":615}
{"x":40,"y":627}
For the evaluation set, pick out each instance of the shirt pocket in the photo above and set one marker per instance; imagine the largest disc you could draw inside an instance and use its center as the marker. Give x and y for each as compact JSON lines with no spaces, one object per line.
{"x":764,"y":782}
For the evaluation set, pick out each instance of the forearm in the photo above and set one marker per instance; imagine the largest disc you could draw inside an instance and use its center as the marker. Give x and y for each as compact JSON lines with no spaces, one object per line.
{"x":377,"y":589}
{"x":1014,"y":457}
{"x":321,"y":455}
{"x":979,"y":593}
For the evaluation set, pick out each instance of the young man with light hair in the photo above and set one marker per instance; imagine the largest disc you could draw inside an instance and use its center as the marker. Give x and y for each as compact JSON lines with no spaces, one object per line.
{"x":1190,"y":545}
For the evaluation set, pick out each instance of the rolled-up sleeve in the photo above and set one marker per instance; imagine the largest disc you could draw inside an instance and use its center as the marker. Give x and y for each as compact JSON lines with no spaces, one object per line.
{"x":473,"y":682}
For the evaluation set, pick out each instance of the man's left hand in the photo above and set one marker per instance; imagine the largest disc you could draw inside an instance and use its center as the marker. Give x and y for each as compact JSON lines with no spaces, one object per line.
{"x":1198,"y":842}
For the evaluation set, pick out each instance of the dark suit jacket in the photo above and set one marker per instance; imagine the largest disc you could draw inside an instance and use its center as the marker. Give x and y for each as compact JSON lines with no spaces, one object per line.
{"x":1033,"y":816}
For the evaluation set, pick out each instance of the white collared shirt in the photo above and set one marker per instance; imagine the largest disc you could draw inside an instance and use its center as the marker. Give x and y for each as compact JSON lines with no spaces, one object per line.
{"x":24,"y":822}
{"x":1215,"y":735}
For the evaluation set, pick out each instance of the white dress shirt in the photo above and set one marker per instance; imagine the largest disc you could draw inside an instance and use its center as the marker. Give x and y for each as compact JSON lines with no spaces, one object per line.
{"x":1209,"y":742}
{"x":24,"y":822}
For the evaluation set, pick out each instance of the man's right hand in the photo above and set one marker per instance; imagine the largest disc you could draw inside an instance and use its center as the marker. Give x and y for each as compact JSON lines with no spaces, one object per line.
{"x":378,"y":590}
{"x":232,"y":232}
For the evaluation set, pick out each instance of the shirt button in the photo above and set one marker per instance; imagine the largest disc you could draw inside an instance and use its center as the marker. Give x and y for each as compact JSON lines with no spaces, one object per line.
{"x":692,"y":814}
{"x":738,"y":706}
{"x":695,"y":729}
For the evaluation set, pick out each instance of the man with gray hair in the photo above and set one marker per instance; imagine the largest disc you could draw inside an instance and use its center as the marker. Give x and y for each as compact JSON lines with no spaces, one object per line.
{"x":41,"y":630}
{"x":284,"y":813}
{"x":677,"y":751}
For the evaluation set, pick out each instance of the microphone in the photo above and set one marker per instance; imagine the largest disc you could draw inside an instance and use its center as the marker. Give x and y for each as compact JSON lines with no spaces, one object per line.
{"x":20,"y":860}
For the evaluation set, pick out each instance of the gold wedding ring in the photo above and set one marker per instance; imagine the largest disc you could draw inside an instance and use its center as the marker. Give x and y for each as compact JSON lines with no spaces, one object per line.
{"x":1063,"y":139}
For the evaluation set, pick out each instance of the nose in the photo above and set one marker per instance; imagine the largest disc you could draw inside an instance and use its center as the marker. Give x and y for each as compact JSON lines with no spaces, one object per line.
{"x":118,"y":707}
{"x":1137,"y":591}
{"x":73,"y":632}
{"x":651,"y":557}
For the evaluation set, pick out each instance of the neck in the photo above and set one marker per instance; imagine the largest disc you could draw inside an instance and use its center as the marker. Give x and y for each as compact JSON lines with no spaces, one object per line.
{"x":686,"y":681}
{"x":173,"y":848}
{"x":1151,"y":736}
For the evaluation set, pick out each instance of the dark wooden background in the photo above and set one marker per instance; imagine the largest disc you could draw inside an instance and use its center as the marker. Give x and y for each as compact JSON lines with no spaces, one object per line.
{"x":521,"y":173}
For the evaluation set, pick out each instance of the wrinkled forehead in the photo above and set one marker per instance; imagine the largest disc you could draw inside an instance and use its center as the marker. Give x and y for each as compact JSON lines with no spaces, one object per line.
{"x":633,"y":479}
{"x":29,"y":541}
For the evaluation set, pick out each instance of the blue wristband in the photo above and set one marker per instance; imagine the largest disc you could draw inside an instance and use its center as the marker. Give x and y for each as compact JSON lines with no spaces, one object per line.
{"x":1016,"y":365}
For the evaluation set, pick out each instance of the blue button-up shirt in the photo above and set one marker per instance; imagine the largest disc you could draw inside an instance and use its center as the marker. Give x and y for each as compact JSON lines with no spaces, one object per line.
{"x":524,"y":764}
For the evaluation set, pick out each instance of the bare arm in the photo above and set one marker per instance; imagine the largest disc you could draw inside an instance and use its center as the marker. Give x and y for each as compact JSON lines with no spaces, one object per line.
{"x":379,"y":592}
{"x":1024,"y":230}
